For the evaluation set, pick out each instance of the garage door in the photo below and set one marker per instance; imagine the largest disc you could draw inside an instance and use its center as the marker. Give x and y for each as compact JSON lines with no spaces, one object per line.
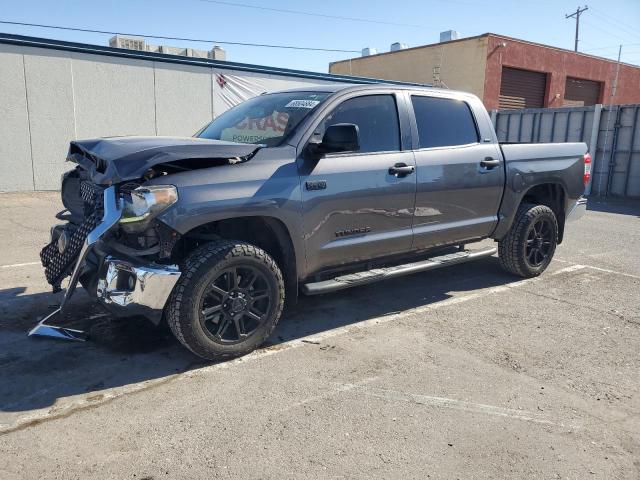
{"x":581,"y":93}
{"x":522,"y":88}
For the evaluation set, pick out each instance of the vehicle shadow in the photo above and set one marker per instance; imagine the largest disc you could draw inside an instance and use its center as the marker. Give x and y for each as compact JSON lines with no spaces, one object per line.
{"x":622,"y":206}
{"x":37,"y":373}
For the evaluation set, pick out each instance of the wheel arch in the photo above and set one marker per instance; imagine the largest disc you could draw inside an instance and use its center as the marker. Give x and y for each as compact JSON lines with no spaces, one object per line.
{"x":552,"y":194}
{"x":266,"y":232}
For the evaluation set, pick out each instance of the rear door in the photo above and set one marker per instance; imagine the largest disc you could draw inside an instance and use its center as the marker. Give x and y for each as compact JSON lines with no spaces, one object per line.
{"x":460,"y":172}
{"x":354,"y":207}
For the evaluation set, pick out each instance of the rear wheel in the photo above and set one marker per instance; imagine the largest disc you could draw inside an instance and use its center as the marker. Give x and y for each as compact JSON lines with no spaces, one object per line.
{"x":227,"y":301}
{"x":529,"y":246}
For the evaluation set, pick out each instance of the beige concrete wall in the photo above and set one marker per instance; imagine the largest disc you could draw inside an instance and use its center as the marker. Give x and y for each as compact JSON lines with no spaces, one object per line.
{"x":462,"y":65}
{"x":15,"y":147}
{"x":49,"y":85}
{"x":184,"y":98}
{"x":50,"y":97}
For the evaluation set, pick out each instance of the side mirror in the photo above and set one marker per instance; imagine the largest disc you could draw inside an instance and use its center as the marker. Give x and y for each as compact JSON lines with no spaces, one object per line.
{"x":341,"y":137}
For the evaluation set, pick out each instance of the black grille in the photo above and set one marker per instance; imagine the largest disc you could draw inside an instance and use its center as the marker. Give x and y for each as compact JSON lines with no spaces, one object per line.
{"x":58,"y":265}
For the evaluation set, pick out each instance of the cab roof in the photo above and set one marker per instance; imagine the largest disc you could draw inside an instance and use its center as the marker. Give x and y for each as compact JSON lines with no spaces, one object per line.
{"x":354,"y":87}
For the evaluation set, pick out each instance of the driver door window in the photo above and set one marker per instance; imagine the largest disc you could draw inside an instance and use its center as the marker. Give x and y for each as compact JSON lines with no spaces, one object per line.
{"x":377,"y":119}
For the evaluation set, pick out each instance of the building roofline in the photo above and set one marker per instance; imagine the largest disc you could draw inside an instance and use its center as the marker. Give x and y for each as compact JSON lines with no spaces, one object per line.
{"x":62,"y":45}
{"x":489,"y":34}
{"x":429,"y":45}
{"x":560,"y":49}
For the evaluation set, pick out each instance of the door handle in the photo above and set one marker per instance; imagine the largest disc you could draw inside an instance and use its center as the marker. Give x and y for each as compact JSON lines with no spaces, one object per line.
{"x":489,"y":163}
{"x":401,"y":170}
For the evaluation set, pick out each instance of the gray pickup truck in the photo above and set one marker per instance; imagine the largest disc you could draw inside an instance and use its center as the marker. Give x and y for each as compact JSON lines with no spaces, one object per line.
{"x":310,"y":190}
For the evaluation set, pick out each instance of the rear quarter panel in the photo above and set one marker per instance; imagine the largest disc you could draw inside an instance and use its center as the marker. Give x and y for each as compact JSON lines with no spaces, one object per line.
{"x":529,"y":165}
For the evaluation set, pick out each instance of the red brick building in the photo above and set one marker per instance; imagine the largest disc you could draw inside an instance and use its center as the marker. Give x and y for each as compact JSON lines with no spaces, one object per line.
{"x":505,"y":72}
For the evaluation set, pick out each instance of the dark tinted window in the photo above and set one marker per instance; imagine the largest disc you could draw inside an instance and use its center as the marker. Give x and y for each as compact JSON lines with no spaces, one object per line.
{"x":443,"y":122}
{"x":377,"y":119}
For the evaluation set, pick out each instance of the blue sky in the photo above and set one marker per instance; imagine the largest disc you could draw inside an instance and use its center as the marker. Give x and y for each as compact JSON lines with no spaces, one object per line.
{"x":605,"y":25}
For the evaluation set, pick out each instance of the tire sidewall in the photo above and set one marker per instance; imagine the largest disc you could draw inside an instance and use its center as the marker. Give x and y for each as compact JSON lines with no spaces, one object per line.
{"x":199,"y":276}
{"x":529,"y":218}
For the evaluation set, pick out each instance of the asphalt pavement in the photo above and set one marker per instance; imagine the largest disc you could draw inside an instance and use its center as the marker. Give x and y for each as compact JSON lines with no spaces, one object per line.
{"x":464,"y":372}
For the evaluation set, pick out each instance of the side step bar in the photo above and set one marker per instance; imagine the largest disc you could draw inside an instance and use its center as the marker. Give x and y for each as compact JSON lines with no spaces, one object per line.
{"x":377,"y":274}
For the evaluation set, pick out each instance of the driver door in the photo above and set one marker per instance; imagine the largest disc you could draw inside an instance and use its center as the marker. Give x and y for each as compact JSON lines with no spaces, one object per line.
{"x":356,"y":205}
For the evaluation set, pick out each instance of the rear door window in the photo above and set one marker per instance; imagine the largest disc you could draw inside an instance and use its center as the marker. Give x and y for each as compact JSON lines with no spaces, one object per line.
{"x":443,"y":122}
{"x":377,"y":119}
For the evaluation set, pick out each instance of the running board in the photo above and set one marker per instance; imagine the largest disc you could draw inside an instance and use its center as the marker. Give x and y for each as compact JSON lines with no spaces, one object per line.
{"x":377,"y":274}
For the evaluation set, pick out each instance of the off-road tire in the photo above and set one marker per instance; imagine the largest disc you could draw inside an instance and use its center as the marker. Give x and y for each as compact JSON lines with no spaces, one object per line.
{"x":512,"y":248}
{"x":199,"y":270}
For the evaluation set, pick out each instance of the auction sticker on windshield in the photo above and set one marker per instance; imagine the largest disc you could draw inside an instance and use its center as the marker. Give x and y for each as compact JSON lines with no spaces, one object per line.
{"x":302,"y":104}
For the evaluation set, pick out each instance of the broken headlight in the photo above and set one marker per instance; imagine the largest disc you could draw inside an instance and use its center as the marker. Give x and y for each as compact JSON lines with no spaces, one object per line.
{"x":144,"y":203}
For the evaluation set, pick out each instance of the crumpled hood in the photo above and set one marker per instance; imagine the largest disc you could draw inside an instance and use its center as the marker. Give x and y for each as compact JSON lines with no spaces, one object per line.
{"x":118,"y":159}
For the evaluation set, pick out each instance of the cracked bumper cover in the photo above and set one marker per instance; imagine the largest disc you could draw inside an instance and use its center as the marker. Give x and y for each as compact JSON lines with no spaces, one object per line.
{"x":577,"y":210}
{"x":129,"y":289}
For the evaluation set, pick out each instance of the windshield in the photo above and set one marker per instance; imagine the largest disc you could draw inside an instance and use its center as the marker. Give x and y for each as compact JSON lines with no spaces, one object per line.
{"x":266,"y":119}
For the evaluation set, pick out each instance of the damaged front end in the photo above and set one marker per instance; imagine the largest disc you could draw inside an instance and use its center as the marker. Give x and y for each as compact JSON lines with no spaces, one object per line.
{"x":111,"y":242}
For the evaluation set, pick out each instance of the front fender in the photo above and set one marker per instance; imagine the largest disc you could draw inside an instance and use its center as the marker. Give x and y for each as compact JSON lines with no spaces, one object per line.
{"x":266,"y":186}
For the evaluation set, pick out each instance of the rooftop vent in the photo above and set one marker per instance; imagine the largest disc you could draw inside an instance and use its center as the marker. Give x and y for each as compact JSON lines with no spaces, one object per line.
{"x":449,"y":35}
{"x":218,"y":53}
{"x":398,"y":46}
{"x":129,"y":43}
{"x":368,"y":51}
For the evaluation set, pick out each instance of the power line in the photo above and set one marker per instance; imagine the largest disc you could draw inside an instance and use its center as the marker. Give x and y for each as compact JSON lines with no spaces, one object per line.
{"x":604,"y":30}
{"x":617,"y":25}
{"x":310,"y":14}
{"x":576,"y":15}
{"x":627,"y":26}
{"x":222,"y":42}
{"x":608,"y":47}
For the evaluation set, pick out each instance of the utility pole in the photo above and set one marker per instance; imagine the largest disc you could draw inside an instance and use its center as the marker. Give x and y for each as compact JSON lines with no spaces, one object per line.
{"x":577,"y":14}
{"x":614,"y":89}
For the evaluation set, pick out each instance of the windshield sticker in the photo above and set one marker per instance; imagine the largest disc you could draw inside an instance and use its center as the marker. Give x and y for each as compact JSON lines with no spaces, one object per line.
{"x":302,"y":104}
{"x":252,"y":130}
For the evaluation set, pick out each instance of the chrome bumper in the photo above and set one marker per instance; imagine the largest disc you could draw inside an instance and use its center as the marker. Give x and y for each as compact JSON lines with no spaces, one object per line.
{"x":577,"y":210}
{"x":127,"y":289}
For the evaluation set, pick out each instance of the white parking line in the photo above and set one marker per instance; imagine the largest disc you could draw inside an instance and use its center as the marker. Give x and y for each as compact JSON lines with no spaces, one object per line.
{"x":318,"y":337}
{"x":429,"y":400}
{"x":17,"y":265}
{"x":81,"y":402}
{"x":600,"y":269}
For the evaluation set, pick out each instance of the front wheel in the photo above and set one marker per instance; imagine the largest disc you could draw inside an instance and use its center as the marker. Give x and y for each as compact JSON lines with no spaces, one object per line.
{"x":227,"y":301}
{"x":528,"y":247}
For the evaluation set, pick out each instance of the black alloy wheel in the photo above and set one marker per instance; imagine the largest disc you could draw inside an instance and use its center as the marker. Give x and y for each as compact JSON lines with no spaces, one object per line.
{"x":539,"y":242}
{"x":235,"y":305}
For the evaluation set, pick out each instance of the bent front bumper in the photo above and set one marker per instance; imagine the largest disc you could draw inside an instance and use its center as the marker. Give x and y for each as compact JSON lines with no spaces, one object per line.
{"x":577,"y":210}
{"x":125,"y":288}
{"x":112,"y":213}
{"x":128,"y":289}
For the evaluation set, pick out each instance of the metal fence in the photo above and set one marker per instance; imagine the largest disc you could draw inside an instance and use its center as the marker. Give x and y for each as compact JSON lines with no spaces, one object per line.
{"x":610,"y":131}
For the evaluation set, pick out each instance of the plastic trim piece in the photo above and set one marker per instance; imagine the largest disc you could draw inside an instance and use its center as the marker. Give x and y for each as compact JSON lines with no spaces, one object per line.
{"x":577,"y":210}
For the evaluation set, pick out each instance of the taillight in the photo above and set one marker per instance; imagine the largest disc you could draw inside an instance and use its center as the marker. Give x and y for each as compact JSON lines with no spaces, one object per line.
{"x":587,"y":169}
